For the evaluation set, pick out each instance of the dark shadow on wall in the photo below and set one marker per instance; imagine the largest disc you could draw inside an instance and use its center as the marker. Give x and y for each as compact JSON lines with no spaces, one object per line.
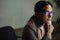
{"x":56,"y":32}
{"x":56,"y":25}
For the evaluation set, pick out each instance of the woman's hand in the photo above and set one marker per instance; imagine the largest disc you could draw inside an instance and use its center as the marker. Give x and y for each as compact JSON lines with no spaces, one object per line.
{"x":48,"y":29}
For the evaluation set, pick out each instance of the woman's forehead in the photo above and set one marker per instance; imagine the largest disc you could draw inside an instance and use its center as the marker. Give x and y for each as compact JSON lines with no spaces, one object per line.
{"x":48,"y":8}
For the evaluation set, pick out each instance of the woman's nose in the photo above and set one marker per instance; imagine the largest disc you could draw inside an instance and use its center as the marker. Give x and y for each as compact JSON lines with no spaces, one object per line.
{"x":49,"y":15}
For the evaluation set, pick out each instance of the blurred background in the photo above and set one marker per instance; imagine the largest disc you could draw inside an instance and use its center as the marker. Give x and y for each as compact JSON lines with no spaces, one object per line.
{"x":16,"y":13}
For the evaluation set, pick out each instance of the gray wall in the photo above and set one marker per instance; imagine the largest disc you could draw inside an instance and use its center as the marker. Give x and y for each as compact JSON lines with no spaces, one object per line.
{"x":16,"y":13}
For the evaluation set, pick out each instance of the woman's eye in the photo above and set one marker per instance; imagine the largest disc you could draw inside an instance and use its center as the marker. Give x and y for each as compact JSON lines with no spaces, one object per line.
{"x":46,"y":13}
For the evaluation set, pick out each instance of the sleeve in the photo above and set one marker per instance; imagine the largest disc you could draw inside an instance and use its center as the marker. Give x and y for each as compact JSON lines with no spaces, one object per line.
{"x":28,"y":34}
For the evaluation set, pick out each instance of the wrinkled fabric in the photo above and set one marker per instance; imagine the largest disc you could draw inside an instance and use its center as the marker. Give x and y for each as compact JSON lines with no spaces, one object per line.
{"x":34,"y":30}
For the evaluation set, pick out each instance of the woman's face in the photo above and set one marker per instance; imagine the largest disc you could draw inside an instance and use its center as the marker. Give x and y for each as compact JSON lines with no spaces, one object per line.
{"x":47,"y":13}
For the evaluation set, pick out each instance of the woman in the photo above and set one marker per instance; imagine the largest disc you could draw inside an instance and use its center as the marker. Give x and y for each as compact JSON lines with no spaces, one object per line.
{"x":39,"y":27}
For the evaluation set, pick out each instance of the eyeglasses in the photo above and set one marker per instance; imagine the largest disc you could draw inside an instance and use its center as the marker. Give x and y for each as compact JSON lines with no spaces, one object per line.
{"x":48,"y":13}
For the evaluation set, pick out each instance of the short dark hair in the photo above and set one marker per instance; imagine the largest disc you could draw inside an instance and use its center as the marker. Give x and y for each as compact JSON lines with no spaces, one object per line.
{"x":40,"y":5}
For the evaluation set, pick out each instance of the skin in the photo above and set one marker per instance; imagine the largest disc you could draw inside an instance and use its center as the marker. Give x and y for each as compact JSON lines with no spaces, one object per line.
{"x":42,"y":16}
{"x":46,"y":20}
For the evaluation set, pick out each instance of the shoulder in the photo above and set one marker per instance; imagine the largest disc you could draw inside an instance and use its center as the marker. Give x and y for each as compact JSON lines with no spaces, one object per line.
{"x":30,"y":25}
